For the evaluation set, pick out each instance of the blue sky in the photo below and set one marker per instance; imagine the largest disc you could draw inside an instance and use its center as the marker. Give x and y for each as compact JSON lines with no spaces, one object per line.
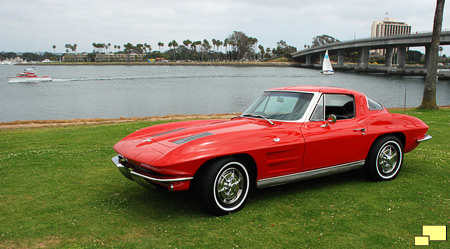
{"x":37,"y":25}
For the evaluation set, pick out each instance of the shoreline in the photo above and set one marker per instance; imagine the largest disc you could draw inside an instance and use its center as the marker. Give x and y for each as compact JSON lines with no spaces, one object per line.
{"x":207,"y":64}
{"x":94,"y":121}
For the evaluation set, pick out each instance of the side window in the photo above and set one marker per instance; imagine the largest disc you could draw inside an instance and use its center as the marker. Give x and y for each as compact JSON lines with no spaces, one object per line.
{"x":319,"y":114}
{"x":341,"y":105}
{"x":373,"y":105}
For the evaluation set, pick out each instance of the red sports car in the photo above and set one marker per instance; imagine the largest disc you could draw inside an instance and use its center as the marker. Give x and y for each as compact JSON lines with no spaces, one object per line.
{"x":288,"y":134}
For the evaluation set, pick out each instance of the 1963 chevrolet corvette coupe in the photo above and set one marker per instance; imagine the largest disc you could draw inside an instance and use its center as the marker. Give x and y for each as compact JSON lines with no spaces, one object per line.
{"x":288,"y":134}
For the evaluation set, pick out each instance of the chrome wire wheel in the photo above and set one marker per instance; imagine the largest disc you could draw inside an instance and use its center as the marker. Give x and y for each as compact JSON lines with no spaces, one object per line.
{"x":229,"y":186}
{"x":387,"y":159}
{"x":223,"y":185}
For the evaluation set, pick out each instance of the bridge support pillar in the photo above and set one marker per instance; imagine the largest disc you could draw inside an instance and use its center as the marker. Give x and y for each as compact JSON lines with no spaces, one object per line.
{"x":389,"y":55}
{"x":308,"y":60}
{"x":340,"y":57}
{"x":401,"y":56}
{"x":322,"y":54}
{"x":363,"y":60}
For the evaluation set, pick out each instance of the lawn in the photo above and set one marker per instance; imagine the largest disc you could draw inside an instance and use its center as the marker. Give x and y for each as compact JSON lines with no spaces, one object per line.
{"x":59,"y":188}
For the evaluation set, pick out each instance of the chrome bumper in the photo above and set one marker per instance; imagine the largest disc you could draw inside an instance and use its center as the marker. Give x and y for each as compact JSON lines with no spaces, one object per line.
{"x":425,"y":138}
{"x":143,"y":180}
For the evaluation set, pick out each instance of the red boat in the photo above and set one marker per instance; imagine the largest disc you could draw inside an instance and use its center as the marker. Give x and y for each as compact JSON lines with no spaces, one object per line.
{"x":28,"y":75}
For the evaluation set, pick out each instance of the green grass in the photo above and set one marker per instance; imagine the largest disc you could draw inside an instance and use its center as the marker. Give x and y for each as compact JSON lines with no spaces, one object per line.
{"x":59,"y":188}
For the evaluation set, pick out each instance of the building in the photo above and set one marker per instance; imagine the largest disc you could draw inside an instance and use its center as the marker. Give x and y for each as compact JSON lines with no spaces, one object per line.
{"x":389,"y":27}
{"x":83,"y":57}
{"x":110,"y":57}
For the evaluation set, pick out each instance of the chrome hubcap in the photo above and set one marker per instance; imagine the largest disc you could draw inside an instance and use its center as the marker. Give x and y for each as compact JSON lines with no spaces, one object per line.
{"x":230,"y":185}
{"x":388,"y":159}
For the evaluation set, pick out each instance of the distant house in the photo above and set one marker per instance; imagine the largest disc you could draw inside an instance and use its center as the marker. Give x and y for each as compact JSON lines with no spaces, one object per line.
{"x":111,"y":57}
{"x":83,"y":57}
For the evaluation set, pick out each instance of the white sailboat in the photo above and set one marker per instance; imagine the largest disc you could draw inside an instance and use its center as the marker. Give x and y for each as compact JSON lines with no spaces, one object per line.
{"x":327,"y":69}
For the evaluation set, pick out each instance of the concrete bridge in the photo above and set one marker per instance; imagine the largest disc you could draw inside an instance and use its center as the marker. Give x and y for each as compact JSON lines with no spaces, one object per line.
{"x":306,"y":57}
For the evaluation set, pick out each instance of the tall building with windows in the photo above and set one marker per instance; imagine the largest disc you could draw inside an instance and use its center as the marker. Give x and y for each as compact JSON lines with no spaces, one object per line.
{"x":389,"y":27}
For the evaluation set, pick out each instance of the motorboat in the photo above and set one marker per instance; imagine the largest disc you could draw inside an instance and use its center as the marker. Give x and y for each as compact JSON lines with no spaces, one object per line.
{"x":28,"y":75}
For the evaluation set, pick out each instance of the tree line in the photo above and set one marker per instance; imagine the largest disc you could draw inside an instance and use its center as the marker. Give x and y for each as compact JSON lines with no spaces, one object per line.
{"x":236,"y":47}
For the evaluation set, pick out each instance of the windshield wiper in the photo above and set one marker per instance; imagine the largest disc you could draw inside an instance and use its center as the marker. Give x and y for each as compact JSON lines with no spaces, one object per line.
{"x":258,"y":116}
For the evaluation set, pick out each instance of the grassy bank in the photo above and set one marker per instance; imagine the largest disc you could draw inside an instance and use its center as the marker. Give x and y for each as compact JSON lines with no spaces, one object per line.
{"x":59,"y":188}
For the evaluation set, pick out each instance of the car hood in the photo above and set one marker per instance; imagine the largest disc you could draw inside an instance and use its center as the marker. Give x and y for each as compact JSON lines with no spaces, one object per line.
{"x":192,"y":139}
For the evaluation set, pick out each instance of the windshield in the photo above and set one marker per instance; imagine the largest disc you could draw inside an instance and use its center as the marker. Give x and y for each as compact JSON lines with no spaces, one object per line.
{"x":280,"y":105}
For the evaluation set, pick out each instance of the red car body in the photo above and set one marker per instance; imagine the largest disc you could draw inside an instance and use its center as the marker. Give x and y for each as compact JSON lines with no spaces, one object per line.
{"x":272,"y":151}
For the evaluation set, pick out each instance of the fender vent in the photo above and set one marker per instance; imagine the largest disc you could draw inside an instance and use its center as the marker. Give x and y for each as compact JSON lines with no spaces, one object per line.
{"x":192,"y":138}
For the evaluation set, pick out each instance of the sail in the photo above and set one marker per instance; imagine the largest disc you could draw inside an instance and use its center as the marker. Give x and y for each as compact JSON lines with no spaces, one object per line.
{"x":326,"y":66}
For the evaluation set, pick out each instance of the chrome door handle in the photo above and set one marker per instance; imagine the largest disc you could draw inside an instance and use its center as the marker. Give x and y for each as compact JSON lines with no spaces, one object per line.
{"x":362,"y":129}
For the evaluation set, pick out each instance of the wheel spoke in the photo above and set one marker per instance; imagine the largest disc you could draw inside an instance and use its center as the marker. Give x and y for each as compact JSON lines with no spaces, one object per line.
{"x":387,"y":160}
{"x":229,"y":186}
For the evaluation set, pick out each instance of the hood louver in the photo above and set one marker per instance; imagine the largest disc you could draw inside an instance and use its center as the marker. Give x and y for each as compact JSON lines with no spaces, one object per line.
{"x":192,"y":138}
{"x":167,"y":132}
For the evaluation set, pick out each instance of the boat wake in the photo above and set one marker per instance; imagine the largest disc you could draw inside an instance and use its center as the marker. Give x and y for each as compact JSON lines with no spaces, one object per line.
{"x":98,"y":78}
{"x":158,"y":77}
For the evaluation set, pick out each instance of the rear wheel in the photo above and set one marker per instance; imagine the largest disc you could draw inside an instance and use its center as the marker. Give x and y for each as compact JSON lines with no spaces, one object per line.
{"x":385,"y":159}
{"x":223,"y":186}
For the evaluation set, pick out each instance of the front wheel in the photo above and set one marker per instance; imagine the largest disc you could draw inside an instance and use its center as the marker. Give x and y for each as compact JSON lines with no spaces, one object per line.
{"x":224,"y":186}
{"x":385,"y":159}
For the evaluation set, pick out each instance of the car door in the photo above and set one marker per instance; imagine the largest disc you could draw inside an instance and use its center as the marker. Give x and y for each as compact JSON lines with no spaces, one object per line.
{"x":333,"y":143}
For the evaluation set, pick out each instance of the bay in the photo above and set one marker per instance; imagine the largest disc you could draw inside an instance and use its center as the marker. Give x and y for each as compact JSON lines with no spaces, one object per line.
{"x":141,"y":91}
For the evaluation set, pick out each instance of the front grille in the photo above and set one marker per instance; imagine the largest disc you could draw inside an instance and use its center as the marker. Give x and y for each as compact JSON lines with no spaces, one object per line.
{"x":136,"y":166}
{"x":145,"y":170}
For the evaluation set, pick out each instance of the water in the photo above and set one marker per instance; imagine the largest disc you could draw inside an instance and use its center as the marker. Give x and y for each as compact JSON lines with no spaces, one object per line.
{"x":139,"y":91}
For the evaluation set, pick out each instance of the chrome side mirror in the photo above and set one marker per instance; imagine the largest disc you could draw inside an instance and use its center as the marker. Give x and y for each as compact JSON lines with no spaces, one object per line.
{"x":330,"y":120}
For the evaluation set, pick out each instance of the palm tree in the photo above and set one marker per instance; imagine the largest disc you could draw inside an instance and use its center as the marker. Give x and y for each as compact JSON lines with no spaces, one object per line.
{"x":253,"y":42}
{"x":219,"y":44}
{"x":129,"y":48}
{"x":194,"y":46}
{"x":429,"y":91}
{"x":161,"y":46}
{"x":268,"y":52}
{"x":170,"y":45}
{"x":216,"y":46}
{"x":214,"y":42}
{"x":175,"y":45}
{"x":186,"y":43}
{"x":197,"y":45}
{"x":149,"y":47}
{"x":262,"y":51}
{"x":206,"y":47}
{"x":233,"y":46}
{"x":225,"y":43}
{"x":54,"y":47}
